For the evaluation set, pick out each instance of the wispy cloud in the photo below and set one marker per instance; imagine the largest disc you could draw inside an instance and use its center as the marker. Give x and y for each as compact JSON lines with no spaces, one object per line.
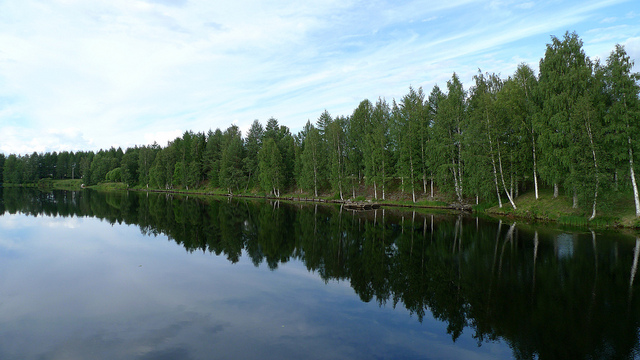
{"x":121,"y":72}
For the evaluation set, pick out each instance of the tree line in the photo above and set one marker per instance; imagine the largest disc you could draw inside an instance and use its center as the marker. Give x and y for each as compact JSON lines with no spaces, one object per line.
{"x":573,"y":126}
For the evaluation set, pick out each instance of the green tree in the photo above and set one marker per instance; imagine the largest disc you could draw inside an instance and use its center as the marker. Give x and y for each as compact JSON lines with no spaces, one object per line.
{"x":231,"y":164}
{"x":12,"y":173}
{"x":270,"y":164}
{"x":483,"y":136}
{"x":565,"y":74}
{"x":336,"y":139}
{"x":623,"y":91}
{"x":146,"y":158}
{"x":2,"y":159}
{"x":377,"y":140}
{"x":357,"y":129}
{"x":253,"y":143}
{"x":130,"y":163}
{"x":409,"y":117}
{"x":448,"y":130}
{"x":311,"y":160}
{"x":213,"y":157}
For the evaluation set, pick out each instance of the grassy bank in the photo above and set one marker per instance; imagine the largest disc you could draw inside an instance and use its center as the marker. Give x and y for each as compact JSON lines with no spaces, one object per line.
{"x":619,"y":213}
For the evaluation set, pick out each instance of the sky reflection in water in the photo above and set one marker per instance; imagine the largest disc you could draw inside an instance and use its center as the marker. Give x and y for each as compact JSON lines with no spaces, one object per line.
{"x":83,"y":288}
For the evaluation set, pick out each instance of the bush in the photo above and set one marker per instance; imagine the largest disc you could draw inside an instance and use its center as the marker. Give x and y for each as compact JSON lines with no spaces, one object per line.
{"x":114,"y":175}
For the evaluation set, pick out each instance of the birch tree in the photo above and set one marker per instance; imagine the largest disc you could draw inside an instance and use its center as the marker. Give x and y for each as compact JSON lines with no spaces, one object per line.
{"x":483,"y":132}
{"x":336,"y":139}
{"x":409,"y":115}
{"x":623,"y":113}
{"x":270,"y":167}
{"x":448,"y":129}
{"x":311,"y":160}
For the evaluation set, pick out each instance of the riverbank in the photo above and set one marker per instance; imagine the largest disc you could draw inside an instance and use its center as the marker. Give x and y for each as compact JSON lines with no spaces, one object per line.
{"x":544,"y":209}
{"x":548,"y":208}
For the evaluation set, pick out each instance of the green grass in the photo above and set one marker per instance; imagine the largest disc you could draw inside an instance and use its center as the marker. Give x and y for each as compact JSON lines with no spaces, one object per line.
{"x":67,"y":184}
{"x":614,"y":210}
{"x":109,"y":186}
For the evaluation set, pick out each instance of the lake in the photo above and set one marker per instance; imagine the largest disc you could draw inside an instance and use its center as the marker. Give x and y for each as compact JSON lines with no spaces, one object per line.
{"x":136,"y":275}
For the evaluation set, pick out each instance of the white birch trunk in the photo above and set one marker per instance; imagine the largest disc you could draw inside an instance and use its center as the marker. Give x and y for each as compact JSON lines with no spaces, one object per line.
{"x":383,"y":177}
{"x":375,"y":190}
{"x":493,"y":162}
{"x":595,"y":168}
{"x":432,"y":185}
{"x":633,"y":180}
{"x":413,"y":190}
{"x":535,"y":165}
{"x":634,"y":265}
{"x":504,"y":185}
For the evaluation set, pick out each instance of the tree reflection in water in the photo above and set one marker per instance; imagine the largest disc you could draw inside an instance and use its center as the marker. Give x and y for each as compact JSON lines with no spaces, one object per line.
{"x":549,"y":293}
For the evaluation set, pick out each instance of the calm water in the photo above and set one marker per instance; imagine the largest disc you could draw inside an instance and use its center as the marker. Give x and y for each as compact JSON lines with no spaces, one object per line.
{"x":88,"y":275}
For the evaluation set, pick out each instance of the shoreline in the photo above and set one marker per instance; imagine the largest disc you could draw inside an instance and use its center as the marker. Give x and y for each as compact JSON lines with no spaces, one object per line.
{"x":528,"y":211}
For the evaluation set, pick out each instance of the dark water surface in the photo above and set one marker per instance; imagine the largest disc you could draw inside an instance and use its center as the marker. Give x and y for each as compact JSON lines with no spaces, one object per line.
{"x":89,"y":275}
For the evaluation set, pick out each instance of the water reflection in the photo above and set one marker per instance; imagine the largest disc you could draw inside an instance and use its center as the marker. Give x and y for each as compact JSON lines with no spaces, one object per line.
{"x":548,"y":293}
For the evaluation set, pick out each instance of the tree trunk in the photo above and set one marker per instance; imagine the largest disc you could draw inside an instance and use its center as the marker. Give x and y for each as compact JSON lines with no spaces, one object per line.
{"x":595,"y":169}
{"x":504,"y":185}
{"x":383,"y":177}
{"x":535,"y":165}
{"x":413,"y":190}
{"x":375,"y":190}
{"x":315,"y":180}
{"x":432,"y":185}
{"x":555,"y":190}
{"x":633,"y":180}
{"x":634,"y":266}
{"x":424,"y":172}
{"x":493,"y":162}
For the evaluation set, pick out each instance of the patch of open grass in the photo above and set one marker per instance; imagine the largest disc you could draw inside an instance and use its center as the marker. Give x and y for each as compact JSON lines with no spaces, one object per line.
{"x":67,"y":184}
{"x":109,"y":186}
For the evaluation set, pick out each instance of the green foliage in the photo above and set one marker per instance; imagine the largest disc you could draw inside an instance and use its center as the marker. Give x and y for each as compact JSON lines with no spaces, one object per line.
{"x":114,"y":175}
{"x":574,"y":125}
{"x":271,"y":167}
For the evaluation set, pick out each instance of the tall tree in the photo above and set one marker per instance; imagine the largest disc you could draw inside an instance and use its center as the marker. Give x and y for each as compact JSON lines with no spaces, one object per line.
{"x":377,"y":161}
{"x":623,"y":113}
{"x":253,"y":144}
{"x":357,"y":129}
{"x":129,"y":165}
{"x":146,"y":158}
{"x":409,"y":118}
{"x":448,"y":129}
{"x":311,"y":158}
{"x":270,"y":164}
{"x":483,"y":133}
{"x":524,"y":103}
{"x":337,"y":143}
{"x":565,"y":73}
{"x":231,"y":169}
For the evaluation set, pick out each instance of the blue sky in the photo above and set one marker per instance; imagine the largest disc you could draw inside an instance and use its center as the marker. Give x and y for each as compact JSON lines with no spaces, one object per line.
{"x":84,"y":75}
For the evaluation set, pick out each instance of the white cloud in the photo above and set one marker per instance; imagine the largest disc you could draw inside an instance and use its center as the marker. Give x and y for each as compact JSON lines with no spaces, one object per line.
{"x":129,"y":72}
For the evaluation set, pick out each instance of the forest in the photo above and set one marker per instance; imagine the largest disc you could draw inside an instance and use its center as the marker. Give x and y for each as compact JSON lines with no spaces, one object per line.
{"x":572,"y":127}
